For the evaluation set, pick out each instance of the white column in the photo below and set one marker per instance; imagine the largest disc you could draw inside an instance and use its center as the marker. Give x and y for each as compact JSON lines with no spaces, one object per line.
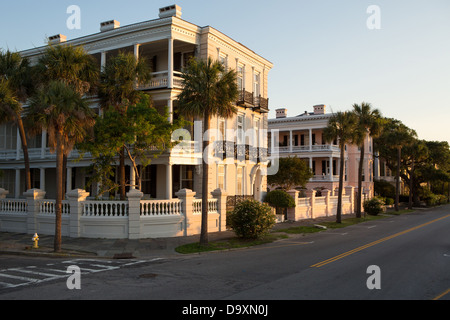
{"x":170,"y":65}
{"x":311,"y":164}
{"x":136,"y":50}
{"x":169,"y":182}
{"x":17,"y":185}
{"x":331,"y":167}
{"x":44,"y":145}
{"x":103,"y":59}
{"x":42,"y":179}
{"x":132,"y":178}
{"x":68,"y":180}
{"x":290,"y":141}
{"x":310,"y":139}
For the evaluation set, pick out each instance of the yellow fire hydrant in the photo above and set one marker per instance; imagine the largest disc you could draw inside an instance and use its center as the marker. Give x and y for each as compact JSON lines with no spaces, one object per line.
{"x":35,"y":241}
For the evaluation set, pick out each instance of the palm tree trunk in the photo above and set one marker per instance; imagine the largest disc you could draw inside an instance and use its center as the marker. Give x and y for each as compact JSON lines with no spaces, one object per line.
{"x":341,"y":186}
{"x":64,"y":177}
{"x":59,"y":189}
{"x":411,"y":184}
{"x":360,"y":171}
{"x":397,"y":181}
{"x":204,"y":228}
{"x":26,"y":157}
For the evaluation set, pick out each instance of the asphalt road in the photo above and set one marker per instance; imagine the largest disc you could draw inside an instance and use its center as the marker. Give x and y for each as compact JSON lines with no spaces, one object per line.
{"x":411,"y":253}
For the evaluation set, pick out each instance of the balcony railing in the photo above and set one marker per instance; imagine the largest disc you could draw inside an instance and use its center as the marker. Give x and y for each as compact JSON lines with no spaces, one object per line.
{"x":258,"y":103}
{"x":228,"y":149}
{"x":300,"y":149}
{"x":160,"y":80}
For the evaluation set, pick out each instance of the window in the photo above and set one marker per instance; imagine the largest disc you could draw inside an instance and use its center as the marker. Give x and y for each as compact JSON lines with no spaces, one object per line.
{"x":187,"y":177}
{"x":221,"y":129}
{"x":8,"y":181}
{"x":257,"y":84}
{"x":8,"y":137}
{"x":240,"y":129}
{"x":240,"y":77}
{"x":221,"y":177}
{"x":240,"y":182}
{"x":256,"y":140}
{"x":223,"y":59}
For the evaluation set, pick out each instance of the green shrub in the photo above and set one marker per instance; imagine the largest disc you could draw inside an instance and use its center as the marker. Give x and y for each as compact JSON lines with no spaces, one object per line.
{"x":384,"y":188}
{"x":280,"y":199}
{"x":389,"y":201}
{"x":373,"y":206}
{"x":251,"y":219}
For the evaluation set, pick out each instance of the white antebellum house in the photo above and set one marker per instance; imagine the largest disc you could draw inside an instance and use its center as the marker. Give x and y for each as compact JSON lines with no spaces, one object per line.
{"x":301,"y":136}
{"x":167,"y":42}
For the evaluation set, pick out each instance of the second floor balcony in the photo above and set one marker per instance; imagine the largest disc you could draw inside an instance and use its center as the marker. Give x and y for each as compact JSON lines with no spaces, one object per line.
{"x":307,"y":148}
{"x":250,"y":100}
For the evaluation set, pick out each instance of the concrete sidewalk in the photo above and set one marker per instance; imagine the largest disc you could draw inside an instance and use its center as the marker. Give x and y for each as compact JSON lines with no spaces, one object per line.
{"x":15,"y":243}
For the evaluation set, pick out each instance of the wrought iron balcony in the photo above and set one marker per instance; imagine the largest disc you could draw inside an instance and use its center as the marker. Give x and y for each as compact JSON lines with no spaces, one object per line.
{"x":249,"y":100}
{"x":242,"y":152}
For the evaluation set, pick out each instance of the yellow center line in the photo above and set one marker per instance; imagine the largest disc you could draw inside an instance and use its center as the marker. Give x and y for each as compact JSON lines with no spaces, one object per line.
{"x":345,"y":254}
{"x":442,"y":294}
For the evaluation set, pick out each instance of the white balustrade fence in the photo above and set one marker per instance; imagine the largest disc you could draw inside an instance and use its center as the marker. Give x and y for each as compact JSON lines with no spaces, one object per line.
{"x":160,"y":207}
{"x":49,"y":207}
{"x":134,"y":218}
{"x":105,"y":208}
{"x":13,"y":205}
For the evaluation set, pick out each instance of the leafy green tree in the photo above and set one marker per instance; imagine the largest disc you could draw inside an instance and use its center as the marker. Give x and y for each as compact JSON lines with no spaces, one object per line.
{"x":293,"y":172}
{"x":118,"y":90}
{"x":368,"y":124}
{"x":341,"y":127}
{"x":209,"y":91}
{"x":394,"y":136}
{"x":280,"y":199}
{"x":16,"y":86}
{"x":67,"y":118}
{"x":143,"y":132}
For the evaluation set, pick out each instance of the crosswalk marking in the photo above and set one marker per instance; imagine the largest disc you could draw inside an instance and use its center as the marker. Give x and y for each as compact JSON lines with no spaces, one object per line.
{"x":22,"y":276}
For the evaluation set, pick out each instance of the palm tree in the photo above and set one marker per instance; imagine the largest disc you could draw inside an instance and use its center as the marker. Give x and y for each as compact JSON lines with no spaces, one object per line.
{"x":15,"y":77}
{"x":368,"y":124}
{"x":394,"y":136}
{"x":209,"y":90}
{"x":66,"y":116}
{"x":341,"y":127}
{"x":71,"y":65}
{"x":118,"y":90}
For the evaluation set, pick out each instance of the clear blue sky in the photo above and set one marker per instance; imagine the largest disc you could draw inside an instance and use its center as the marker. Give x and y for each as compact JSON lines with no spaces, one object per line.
{"x":322,"y":51}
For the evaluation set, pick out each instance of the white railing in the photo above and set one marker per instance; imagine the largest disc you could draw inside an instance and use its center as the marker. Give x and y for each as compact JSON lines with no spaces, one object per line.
{"x":213,"y":206}
{"x":13,"y":206}
{"x":105,"y":208}
{"x":48,"y":207}
{"x":197,"y":206}
{"x":161,"y":80}
{"x":160,"y":208}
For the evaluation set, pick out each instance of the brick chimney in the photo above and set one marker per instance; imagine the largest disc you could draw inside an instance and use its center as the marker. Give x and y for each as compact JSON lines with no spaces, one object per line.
{"x":109,"y":25}
{"x":170,"y":11}
{"x":320,"y":109}
{"x":281,"y":113}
